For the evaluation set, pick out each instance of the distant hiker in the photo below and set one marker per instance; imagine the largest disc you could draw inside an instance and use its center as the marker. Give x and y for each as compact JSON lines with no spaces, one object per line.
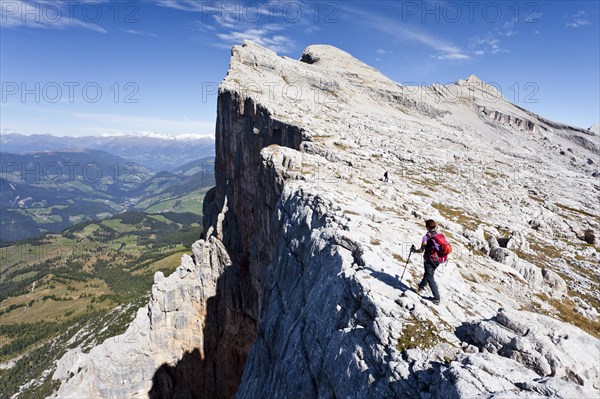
{"x":385,"y":178}
{"x":436,"y":250}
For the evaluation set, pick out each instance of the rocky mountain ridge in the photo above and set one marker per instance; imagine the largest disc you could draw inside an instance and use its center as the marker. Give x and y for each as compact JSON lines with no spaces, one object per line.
{"x":295,"y":287}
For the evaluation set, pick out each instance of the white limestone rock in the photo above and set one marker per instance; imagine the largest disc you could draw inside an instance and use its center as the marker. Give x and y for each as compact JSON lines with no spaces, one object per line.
{"x":544,"y":345}
{"x":500,"y":377}
{"x":171,"y":325}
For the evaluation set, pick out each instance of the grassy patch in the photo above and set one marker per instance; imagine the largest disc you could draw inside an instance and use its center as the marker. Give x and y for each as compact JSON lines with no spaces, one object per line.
{"x":590,"y":274}
{"x":579,"y":211}
{"x":420,"y":193}
{"x":565,"y":312}
{"x":457,"y":215}
{"x":536,"y":198}
{"x":418,"y":334}
{"x":55,"y":299}
{"x":166,"y":265}
{"x":548,"y":251}
{"x":476,"y":251}
{"x":435,"y":184}
{"x":321,"y":136}
{"x":117,"y":226}
{"x":340,"y":145}
{"x":398,"y":258}
{"x":191,"y":202}
{"x":545,"y":255}
{"x":469,"y":277}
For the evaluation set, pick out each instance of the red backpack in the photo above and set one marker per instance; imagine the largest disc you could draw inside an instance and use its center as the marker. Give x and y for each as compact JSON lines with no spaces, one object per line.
{"x":441,"y":248}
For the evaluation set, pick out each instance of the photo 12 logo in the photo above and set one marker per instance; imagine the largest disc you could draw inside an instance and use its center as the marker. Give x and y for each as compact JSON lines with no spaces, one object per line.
{"x":469,"y":11}
{"x":71,"y":92}
{"x":483,"y":92}
{"x":68,"y":12}
{"x":37,"y":172}
{"x":269,"y":11}
{"x":323,"y":93}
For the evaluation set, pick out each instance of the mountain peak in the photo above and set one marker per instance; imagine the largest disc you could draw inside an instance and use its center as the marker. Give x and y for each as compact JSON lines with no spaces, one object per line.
{"x":310,"y":238}
{"x":474,"y":79}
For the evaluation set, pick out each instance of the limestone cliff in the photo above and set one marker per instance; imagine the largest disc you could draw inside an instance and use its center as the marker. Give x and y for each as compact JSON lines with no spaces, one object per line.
{"x":295,"y":290}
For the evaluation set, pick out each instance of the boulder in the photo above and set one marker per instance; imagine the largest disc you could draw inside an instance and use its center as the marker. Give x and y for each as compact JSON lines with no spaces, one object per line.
{"x":542,"y":344}
{"x":531,"y":273}
{"x":589,"y":236}
{"x":553,"y":283}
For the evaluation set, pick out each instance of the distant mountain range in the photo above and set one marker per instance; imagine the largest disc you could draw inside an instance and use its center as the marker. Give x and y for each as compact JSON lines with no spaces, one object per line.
{"x":155,"y":151}
{"x":48,"y":191}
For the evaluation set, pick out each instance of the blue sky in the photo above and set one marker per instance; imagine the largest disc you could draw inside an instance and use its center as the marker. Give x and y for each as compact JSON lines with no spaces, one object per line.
{"x":103,"y":67}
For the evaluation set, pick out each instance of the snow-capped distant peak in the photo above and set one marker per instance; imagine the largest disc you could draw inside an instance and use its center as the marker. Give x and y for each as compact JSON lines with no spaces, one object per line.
{"x":595,"y":128}
{"x":159,"y":136}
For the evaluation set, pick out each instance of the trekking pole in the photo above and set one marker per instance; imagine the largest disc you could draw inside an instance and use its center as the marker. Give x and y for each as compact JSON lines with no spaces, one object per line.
{"x":409,"y":254}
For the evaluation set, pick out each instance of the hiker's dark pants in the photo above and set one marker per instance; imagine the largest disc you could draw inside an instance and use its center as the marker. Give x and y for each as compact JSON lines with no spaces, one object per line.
{"x":428,"y":278}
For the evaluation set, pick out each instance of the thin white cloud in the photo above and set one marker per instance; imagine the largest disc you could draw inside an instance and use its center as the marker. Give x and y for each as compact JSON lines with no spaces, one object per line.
{"x":262,"y":37}
{"x":312,"y":29}
{"x":444,"y":49}
{"x":534,"y":17}
{"x":508,"y":29}
{"x":38,"y":15}
{"x":232,"y":22}
{"x":578,"y":20}
{"x":452,"y":56}
{"x":489,"y":44}
{"x":381,"y":51}
{"x":492,"y":42}
{"x":184,"y":5}
{"x":139,"y":33}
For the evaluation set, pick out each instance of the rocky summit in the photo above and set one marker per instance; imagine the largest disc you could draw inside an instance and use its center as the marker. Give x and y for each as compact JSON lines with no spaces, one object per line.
{"x":295,"y":289}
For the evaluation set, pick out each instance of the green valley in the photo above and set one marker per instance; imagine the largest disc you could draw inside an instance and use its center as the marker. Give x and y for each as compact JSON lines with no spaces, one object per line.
{"x":79,"y":287}
{"x":48,"y":191}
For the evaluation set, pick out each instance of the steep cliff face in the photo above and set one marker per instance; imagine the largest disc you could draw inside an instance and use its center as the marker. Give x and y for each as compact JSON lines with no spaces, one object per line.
{"x":162,"y":351}
{"x":295,"y":289}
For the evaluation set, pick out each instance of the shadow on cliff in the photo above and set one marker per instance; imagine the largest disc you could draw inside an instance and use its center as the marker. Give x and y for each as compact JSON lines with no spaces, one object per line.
{"x":393,"y":282}
{"x":173,"y":381}
{"x":217,"y":374}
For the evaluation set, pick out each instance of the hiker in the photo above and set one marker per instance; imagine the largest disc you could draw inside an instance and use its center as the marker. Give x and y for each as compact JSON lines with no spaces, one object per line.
{"x":436,"y":250}
{"x":385,"y":178}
